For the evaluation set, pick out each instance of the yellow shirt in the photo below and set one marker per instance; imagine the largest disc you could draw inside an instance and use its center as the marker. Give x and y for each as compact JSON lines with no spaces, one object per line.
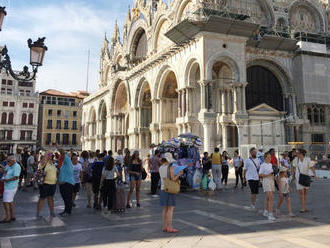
{"x":51,"y":174}
{"x":216,"y":158}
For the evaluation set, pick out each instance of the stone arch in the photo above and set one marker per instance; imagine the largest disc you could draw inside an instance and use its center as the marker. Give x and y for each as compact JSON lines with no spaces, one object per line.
{"x":168,"y":96}
{"x":263,"y":87}
{"x":144,"y":105}
{"x":139,"y":24}
{"x":164,"y":70}
{"x":189,"y":67}
{"x":309,"y":13}
{"x":161,"y":27}
{"x":114,"y":90}
{"x":227,"y":59}
{"x":277,"y":69}
{"x":182,"y":8}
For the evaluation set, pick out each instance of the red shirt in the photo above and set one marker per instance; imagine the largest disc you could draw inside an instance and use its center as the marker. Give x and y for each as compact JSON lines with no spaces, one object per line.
{"x":274,"y":160}
{"x":60,"y":162}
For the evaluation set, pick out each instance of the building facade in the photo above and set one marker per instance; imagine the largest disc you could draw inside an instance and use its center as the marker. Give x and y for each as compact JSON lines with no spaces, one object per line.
{"x":19,"y":105}
{"x":235,"y":73}
{"x":60,"y":119}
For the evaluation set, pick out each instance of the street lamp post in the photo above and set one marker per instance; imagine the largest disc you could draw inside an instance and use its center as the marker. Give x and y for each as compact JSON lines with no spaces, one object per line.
{"x":37,"y":53}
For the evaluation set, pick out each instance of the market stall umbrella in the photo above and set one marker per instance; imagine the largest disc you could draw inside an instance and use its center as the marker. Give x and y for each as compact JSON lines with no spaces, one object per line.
{"x":188,"y":136}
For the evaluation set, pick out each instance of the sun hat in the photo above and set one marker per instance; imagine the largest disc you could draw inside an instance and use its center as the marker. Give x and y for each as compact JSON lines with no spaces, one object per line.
{"x":168,"y":156}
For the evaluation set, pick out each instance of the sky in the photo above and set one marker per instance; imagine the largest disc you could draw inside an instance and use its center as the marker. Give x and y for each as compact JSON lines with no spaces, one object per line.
{"x":71,"y":28}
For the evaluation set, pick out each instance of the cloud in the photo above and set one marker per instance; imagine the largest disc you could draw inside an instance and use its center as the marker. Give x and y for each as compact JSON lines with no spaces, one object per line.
{"x":71,"y":29}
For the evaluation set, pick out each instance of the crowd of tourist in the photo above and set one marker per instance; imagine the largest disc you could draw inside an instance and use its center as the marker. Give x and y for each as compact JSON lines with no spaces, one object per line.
{"x":104,"y":178}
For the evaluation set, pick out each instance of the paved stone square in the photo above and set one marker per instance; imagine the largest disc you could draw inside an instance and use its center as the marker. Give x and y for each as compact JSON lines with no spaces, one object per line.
{"x":222,"y":220}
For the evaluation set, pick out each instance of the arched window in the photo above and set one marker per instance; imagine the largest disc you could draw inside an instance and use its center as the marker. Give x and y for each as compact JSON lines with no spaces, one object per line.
{"x":30,"y":119}
{"x":316,"y":116}
{"x":309,"y":115}
{"x":322,"y":116}
{"x":140,"y":45}
{"x":4,"y":118}
{"x":23,"y":122}
{"x":263,"y":87}
{"x":11,"y":118}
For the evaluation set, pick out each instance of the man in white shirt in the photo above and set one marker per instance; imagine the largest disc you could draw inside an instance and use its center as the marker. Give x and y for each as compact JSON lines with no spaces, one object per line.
{"x":251,"y":174}
{"x":119,"y":162}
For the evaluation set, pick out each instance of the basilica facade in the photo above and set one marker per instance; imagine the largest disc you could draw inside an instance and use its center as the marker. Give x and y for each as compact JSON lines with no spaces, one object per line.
{"x":234,"y":72}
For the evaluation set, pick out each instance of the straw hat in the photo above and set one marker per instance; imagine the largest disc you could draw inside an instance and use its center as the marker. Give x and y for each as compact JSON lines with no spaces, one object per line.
{"x":168,"y":156}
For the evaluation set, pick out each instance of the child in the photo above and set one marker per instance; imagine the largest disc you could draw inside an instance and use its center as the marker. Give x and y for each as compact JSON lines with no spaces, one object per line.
{"x":284,"y":191}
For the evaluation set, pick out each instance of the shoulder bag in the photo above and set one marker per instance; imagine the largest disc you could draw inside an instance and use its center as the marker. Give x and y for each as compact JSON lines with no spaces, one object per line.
{"x":170,"y":186}
{"x":304,"y":180}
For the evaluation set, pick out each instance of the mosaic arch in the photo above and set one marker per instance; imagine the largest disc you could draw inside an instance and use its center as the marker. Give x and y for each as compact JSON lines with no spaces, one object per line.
{"x":121,"y":99}
{"x":305,"y":18}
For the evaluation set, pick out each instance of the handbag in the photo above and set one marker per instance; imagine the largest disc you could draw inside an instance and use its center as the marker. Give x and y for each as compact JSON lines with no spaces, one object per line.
{"x":304,"y":180}
{"x":144,"y":174}
{"x":170,"y":186}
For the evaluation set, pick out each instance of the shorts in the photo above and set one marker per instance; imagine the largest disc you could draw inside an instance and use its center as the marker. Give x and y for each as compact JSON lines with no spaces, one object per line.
{"x":8,"y":195}
{"x":166,"y":199}
{"x":76,"y":188}
{"x":135,"y":177}
{"x":268,"y":184}
{"x":254,"y":186}
{"x":47,"y":190}
{"x":286,"y":195}
{"x":96,"y":187}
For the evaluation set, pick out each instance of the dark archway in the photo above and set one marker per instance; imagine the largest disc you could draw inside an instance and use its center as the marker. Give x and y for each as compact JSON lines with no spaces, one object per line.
{"x":263,"y":87}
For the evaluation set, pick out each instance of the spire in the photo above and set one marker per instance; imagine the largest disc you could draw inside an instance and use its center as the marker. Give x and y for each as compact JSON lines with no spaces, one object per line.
{"x":105,"y":42}
{"x":128,"y":16}
{"x":116,"y":34}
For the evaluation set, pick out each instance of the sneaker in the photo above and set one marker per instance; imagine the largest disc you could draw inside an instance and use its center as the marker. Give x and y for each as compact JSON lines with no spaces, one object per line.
{"x":154,"y":196}
{"x":265,"y":213}
{"x":271,"y":217}
{"x":253,"y":207}
{"x":128,"y":206}
{"x":292,"y":215}
{"x":52,"y":215}
{"x":138,"y":205}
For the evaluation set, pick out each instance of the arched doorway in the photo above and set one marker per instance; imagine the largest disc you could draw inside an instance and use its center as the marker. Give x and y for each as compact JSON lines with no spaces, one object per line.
{"x":223,"y":94}
{"x":120,"y":117}
{"x":169,"y":107}
{"x":145,"y":115}
{"x":193,"y":106}
{"x":265,"y":106}
{"x":263,"y":87}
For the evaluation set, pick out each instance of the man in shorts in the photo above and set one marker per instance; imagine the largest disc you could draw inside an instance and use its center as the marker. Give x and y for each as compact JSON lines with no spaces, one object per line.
{"x":251,"y":174}
{"x":12,"y":172}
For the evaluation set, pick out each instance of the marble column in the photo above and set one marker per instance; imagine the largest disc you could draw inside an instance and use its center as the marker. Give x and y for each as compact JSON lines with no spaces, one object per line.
{"x":204,"y":103}
{"x":228,"y":110}
{"x":240,"y":133}
{"x":223,"y":101}
{"x":224,"y":136}
{"x":244,"y":98}
{"x":179,"y":103}
{"x":207,"y":137}
{"x":189,"y":101}
{"x":235,"y":100}
{"x":184,"y":100}
{"x":294,"y":104}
